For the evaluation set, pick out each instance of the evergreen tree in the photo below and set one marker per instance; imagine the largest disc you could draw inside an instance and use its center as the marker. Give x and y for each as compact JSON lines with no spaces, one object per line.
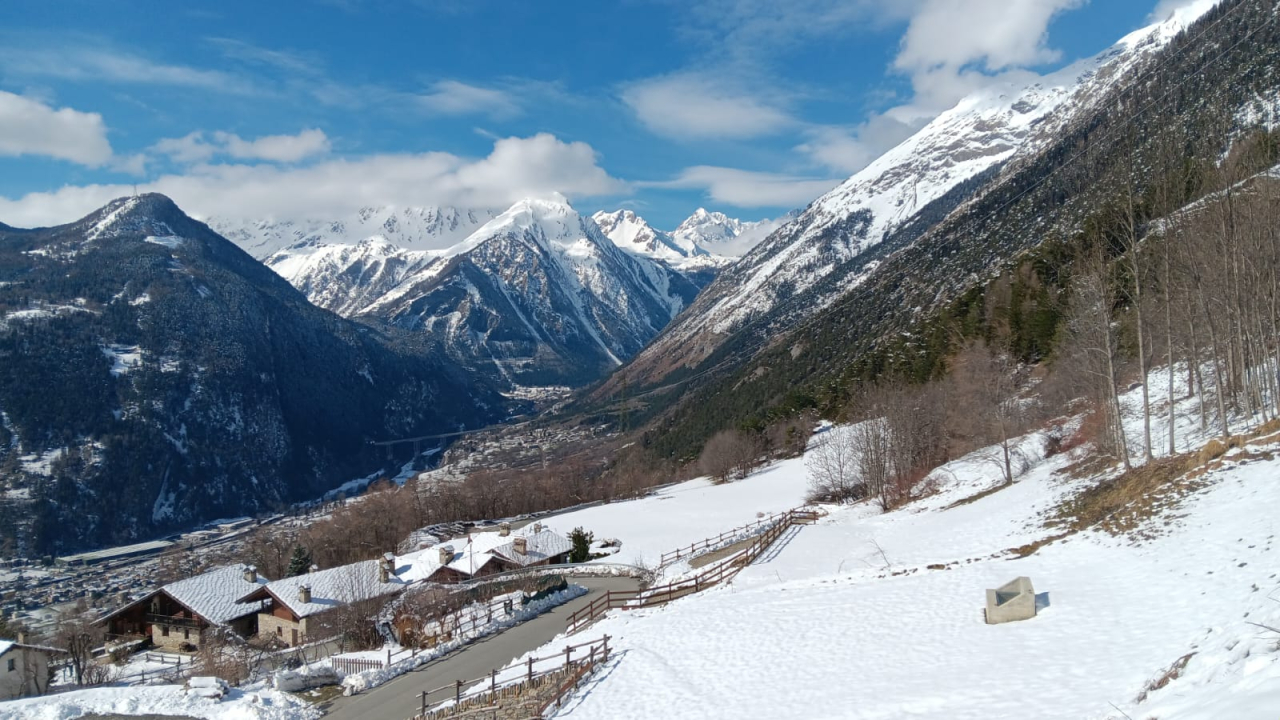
{"x":300,"y":562}
{"x":581,"y":540}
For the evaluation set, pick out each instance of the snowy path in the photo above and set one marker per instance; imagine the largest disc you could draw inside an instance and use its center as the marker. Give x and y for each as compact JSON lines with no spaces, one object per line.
{"x":399,"y":699}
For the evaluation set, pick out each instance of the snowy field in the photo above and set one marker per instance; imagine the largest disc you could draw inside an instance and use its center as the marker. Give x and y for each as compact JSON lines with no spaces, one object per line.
{"x":171,"y":700}
{"x":846,"y":618}
{"x":688,"y":512}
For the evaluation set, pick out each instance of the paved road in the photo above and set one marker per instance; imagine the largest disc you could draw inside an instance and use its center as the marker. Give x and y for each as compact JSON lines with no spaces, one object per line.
{"x":399,"y":700}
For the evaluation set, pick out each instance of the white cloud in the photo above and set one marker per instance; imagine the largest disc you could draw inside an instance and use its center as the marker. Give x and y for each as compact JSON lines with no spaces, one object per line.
{"x":195,"y":148}
{"x":450,"y":97}
{"x":848,"y":150}
{"x":996,"y":33}
{"x":276,"y":148}
{"x":89,"y":63}
{"x":30,"y":127}
{"x":745,"y":188}
{"x":190,"y":148}
{"x":517,"y":168}
{"x":695,"y":106}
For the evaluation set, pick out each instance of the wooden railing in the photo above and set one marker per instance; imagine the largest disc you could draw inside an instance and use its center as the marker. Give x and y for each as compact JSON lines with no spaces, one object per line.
{"x":717,"y":573}
{"x":466,"y":619}
{"x":529,"y":690}
{"x":712,"y":543}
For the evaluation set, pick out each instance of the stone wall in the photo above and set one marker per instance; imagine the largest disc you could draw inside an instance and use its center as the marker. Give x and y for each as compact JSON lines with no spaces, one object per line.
{"x":282,"y":628}
{"x":178,"y":636}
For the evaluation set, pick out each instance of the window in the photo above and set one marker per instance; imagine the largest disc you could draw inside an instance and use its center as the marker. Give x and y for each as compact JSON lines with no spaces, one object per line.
{"x":13,"y":665}
{"x":279,"y":631}
{"x":164,"y":630}
{"x":186,"y":633}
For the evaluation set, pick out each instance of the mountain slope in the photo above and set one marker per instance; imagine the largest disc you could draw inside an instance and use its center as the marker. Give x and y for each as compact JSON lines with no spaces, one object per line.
{"x":537,"y":296}
{"x":839,"y":240}
{"x":155,"y":375}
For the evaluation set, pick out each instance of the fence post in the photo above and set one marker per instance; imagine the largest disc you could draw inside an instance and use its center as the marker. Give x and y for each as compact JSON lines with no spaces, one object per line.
{"x":606,"y":647}
{"x":388,"y":657}
{"x":424,"y":701}
{"x":457,"y":695}
{"x":568,"y":651}
{"x":530,"y":669}
{"x":493,"y":682}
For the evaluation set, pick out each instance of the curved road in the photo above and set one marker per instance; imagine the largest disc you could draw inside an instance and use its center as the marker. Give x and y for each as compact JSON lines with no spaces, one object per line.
{"x":399,"y":699}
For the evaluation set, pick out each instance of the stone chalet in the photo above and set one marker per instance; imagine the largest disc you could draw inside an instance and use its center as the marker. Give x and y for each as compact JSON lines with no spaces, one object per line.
{"x":176,"y":615}
{"x":487,"y":553}
{"x":24,"y":668}
{"x":293,"y":608}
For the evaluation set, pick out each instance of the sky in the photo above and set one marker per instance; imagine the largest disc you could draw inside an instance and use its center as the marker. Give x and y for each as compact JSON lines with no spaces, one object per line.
{"x":313,"y":109}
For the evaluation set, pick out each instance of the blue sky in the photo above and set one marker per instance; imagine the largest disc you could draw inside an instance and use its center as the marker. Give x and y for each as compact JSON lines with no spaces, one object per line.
{"x":751,"y":107}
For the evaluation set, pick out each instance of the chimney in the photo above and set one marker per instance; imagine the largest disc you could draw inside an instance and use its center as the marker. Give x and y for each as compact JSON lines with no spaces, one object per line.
{"x":250,"y":574}
{"x":521,"y":545}
{"x":22,"y":638}
{"x":313,"y":568}
{"x":304,"y":593}
{"x":504,"y":529}
{"x":446,"y":554}
{"x":384,"y":573}
{"x":537,"y":528}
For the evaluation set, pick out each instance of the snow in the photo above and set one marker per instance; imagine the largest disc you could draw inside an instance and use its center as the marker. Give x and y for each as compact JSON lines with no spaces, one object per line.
{"x":124,"y":358}
{"x":173,"y":700}
{"x":335,"y":586}
{"x":1002,"y":122}
{"x":41,"y":463}
{"x":169,"y":241}
{"x":869,"y":615}
{"x":213,"y":594}
{"x":687,"y":512}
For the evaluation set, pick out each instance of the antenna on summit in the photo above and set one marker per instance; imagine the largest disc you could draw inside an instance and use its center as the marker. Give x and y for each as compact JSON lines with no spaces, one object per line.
{"x":135,"y":189}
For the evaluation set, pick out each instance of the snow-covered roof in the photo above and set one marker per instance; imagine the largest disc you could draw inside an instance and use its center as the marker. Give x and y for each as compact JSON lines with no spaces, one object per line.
{"x":334,"y":587}
{"x":213,"y":595}
{"x":539,"y":546}
{"x":7,"y":645}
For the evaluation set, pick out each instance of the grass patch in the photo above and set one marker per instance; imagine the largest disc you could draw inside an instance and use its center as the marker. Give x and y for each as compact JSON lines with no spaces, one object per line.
{"x":1124,"y":504}
{"x":979,"y":495}
{"x":1173,"y":672}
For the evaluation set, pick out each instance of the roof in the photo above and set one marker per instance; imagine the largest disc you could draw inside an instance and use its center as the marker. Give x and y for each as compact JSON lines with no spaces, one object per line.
{"x":539,"y":547}
{"x":331,"y":588}
{"x":213,"y":595}
{"x":7,"y":645}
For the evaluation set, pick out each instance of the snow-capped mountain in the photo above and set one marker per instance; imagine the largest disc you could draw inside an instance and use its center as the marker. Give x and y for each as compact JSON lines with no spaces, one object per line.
{"x":538,"y":294}
{"x":831,"y":246}
{"x":155,"y":375}
{"x":722,"y":235}
{"x":704,"y":239}
{"x":409,"y":228}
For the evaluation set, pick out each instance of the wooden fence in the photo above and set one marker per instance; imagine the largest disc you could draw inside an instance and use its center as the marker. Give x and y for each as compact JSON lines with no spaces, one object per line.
{"x":717,"y":573}
{"x":354,"y":665}
{"x":712,"y":543}
{"x":545,"y":683}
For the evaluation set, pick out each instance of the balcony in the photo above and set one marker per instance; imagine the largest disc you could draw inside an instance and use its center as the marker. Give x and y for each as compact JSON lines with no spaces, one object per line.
{"x":173,"y":621}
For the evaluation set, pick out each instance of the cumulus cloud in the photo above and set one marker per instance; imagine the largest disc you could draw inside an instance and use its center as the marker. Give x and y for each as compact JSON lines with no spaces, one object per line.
{"x":996,"y":33}
{"x":694,"y":106}
{"x":748,"y":189}
{"x":196,"y":148}
{"x":450,"y":97}
{"x":516,"y":168}
{"x":31,"y":127}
